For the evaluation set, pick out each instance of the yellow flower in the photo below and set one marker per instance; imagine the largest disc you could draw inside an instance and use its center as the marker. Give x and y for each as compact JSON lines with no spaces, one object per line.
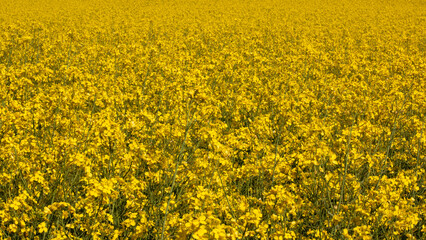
{"x":42,"y":227}
{"x":345,"y":233}
{"x":201,"y":233}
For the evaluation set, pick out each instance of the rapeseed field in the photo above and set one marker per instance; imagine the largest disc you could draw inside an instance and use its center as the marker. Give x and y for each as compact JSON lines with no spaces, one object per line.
{"x":212,"y":119}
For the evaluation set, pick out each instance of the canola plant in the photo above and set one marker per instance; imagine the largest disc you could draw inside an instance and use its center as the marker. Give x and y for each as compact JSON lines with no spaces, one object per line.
{"x":212,"y":119}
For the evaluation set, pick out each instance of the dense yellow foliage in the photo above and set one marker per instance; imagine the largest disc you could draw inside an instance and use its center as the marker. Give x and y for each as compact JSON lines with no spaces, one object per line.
{"x":220,"y":119}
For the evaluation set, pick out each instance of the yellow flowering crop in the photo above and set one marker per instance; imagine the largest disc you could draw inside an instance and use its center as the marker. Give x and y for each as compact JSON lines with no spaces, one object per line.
{"x":274,"y":119}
